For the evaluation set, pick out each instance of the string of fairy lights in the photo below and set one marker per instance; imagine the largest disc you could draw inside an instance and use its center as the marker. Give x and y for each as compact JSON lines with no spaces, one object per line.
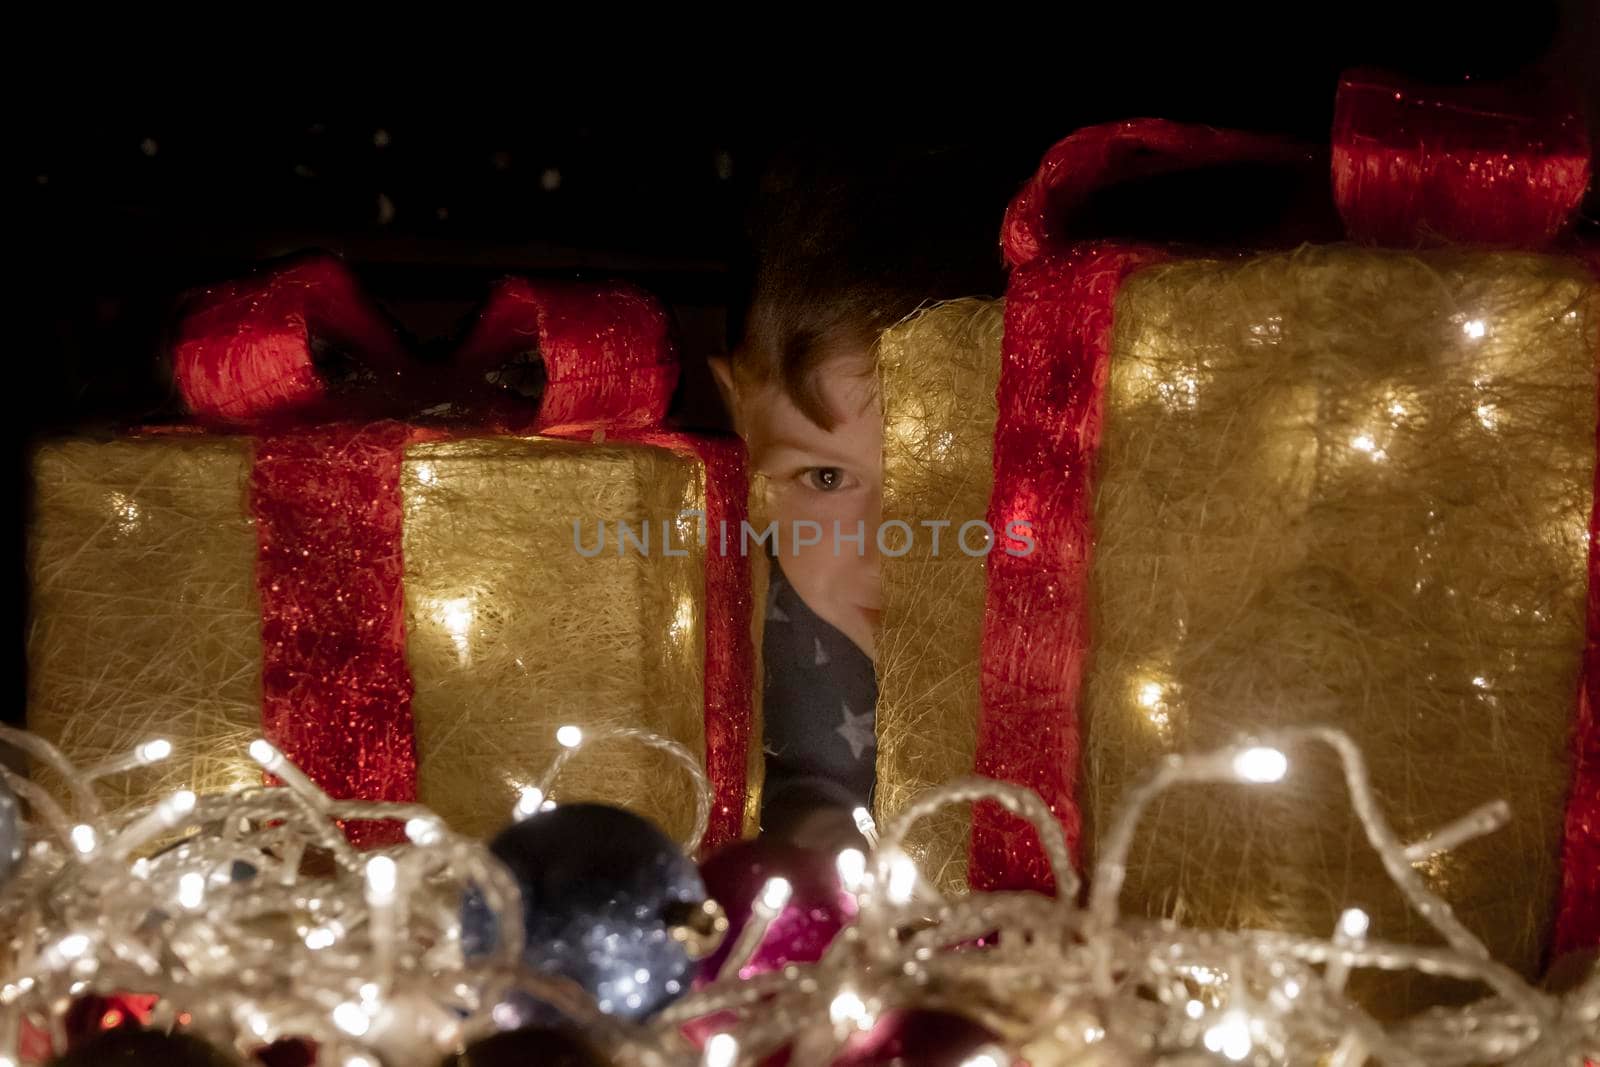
{"x":251,"y":919}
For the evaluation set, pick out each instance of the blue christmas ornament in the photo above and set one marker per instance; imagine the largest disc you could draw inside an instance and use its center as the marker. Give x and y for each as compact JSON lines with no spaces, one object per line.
{"x":603,"y":894}
{"x":11,"y":843}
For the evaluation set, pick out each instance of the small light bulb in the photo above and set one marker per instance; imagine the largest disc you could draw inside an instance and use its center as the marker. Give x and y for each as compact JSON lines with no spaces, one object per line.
{"x":72,"y":946}
{"x":864,"y":823}
{"x":848,"y":1007}
{"x":369,"y":992}
{"x":1353,"y":923}
{"x":84,"y":838}
{"x":1291,"y":989}
{"x":359,"y":1060}
{"x":262,"y":752}
{"x":852,"y":867}
{"x":1230,"y":1036}
{"x":775,"y":894}
{"x":457,"y":616}
{"x":987,"y":1056}
{"x":7,"y":1061}
{"x":1194,"y":1009}
{"x":902,"y":879}
{"x":569,"y":736}
{"x":721,"y":1051}
{"x":319,"y":938}
{"x":683,"y":619}
{"x":421,"y":831}
{"x":1474,"y":328}
{"x":381,"y":878}
{"x":1261,"y":764}
{"x":351,"y":1019}
{"x":182,"y":802}
{"x":192,"y":890}
{"x":155,"y":751}
{"x":529,"y":801}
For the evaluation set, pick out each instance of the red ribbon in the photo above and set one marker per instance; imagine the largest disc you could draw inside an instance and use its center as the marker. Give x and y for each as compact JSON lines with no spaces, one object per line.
{"x":1040,"y":218}
{"x":1468,"y":165}
{"x":282,"y":350}
{"x":279,"y":347}
{"x":1035,"y":626}
{"x":730,"y":644}
{"x":606,"y":350}
{"x":336,"y":688}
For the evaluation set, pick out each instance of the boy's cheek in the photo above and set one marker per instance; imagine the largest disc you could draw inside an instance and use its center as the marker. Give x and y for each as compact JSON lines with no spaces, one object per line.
{"x":799,"y":504}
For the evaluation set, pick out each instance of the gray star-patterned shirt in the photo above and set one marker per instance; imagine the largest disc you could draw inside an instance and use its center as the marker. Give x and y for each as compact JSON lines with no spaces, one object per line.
{"x":818,"y":712}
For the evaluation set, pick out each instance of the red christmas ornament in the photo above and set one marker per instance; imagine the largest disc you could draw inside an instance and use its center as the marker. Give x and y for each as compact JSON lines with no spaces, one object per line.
{"x":816,"y":910}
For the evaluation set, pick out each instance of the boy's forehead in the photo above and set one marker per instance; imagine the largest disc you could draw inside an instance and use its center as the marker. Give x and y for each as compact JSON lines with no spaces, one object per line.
{"x":850,"y":393}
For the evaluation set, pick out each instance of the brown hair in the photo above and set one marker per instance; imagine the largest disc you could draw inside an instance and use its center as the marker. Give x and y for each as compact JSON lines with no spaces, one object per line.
{"x":847,"y":243}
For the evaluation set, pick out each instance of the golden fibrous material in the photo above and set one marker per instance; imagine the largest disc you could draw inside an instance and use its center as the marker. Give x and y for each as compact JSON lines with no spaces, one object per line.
{"x":145,"y":622}
{"x":513,"y":632}
{"x":938,"y":373}
{"x":1353,"y":488}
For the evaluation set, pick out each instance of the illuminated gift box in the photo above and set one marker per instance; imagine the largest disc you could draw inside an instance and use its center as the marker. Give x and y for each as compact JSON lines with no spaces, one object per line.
{"x":403,"y":609}
{"x":1337,"y":485}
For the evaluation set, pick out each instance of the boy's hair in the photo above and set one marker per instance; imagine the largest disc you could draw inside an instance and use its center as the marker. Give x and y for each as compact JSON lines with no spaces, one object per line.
{"x":846,"y":244}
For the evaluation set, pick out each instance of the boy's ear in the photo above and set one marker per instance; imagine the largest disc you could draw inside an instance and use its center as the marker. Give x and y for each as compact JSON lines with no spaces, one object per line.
{"x":722,"y":371}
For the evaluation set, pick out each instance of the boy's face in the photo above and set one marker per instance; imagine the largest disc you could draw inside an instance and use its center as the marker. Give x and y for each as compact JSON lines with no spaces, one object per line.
{"x":833,"y":478}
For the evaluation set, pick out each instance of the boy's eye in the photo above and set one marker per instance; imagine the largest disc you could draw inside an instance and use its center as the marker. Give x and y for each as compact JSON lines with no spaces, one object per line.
{"x":823,"y":479}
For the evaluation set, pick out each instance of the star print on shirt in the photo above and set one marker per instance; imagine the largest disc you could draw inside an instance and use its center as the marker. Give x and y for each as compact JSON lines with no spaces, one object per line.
{"x":857,"y":731}
{"x":774,"y":612}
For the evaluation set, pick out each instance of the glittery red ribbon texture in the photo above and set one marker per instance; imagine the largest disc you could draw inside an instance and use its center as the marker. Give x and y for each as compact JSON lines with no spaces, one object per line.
{"x":1035,"y":626}
{"x":1469,"y":165}
{"x":1041,"y":216}
{"x":277,"y":347}
{"x":326,"y":497}
{"x":606,"y":350}
{"x":1054,"y":368}
{"x":336,"y":689}
{"x":1578,"y":912}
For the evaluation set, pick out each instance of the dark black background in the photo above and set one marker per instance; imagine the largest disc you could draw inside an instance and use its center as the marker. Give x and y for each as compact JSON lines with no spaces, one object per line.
{"x":141,"y":175}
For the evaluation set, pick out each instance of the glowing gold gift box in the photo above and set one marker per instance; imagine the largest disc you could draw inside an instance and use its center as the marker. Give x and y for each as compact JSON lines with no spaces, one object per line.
{"x":146,"y":618}
{"x":1337,"y":486}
